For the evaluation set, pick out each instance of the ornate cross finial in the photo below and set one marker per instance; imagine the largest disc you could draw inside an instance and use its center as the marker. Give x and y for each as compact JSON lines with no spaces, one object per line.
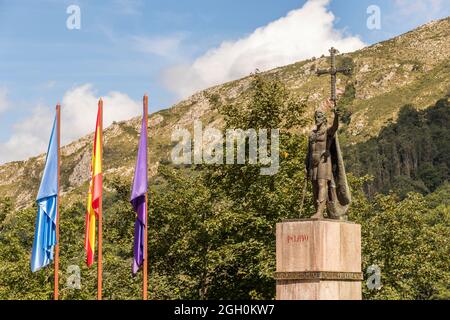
{"x":333,"y":71}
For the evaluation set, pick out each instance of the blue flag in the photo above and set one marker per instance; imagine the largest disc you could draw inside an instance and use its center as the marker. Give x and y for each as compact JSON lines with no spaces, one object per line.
{"x":45,"y":232}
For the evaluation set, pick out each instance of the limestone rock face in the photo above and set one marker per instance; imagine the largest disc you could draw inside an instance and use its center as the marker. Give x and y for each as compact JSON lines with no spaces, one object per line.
{"x":411,"y":68}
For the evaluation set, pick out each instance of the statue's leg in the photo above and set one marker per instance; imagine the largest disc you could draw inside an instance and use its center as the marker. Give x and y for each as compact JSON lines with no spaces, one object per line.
{"x":315,"y":189}
{"x":331,"y":201}
{"x":321,"y":198}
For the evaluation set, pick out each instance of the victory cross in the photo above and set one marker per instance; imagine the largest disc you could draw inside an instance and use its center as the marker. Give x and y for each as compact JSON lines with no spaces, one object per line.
{"x":324,"y":163}
{"x":333,"y":71}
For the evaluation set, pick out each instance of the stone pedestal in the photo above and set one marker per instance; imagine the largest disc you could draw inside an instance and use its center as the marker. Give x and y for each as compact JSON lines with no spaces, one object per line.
{"x":318,"y":260}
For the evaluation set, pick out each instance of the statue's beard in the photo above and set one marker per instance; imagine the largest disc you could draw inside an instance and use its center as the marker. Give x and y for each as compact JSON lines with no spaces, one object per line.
{"x":320,"y":122}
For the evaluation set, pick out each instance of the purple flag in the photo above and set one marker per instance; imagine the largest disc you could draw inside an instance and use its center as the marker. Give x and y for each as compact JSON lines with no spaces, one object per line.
{"x":138,"y":198}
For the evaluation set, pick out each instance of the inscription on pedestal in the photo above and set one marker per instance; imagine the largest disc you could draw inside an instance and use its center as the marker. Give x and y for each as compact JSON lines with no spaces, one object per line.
{"x":297,"y":238}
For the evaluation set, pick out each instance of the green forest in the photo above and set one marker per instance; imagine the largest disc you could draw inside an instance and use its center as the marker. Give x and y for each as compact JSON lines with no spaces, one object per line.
{"x":410,"y":155}
{"x":212,"y":227}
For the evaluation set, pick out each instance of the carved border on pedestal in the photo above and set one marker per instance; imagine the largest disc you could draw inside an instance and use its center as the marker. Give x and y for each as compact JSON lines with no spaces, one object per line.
{"x":318,"y":220}
{"x":319,"y":275}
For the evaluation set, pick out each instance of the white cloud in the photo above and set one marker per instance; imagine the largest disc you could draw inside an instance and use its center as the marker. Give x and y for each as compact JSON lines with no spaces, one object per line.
{"x":164,"y":46}
{"x":30,"y":136}
{"x":4,"y":104}
{"x":79,"y":111}
{"x":301,"y":34}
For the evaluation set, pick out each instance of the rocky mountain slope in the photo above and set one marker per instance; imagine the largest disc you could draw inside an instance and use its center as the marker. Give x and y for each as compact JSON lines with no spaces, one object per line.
{"x":413,"y":68}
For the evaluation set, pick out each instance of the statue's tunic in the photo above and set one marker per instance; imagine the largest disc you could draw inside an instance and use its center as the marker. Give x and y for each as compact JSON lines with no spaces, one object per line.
{"x":320,"y":165}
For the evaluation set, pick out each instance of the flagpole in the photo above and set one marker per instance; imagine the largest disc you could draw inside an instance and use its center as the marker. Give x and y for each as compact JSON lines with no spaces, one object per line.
{"x":145,"y":276}
{"x":100,"y":216}
{"x":56,"y":260}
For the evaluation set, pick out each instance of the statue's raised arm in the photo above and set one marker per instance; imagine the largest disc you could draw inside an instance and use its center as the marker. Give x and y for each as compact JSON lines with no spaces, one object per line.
{"x":335,"y":126}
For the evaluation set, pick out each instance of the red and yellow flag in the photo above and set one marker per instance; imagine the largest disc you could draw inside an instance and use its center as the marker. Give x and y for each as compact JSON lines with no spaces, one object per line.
{"x":95,"y":191}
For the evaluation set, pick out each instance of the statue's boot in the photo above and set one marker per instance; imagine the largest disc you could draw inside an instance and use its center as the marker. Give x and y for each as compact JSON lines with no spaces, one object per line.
{"x":320,"y":210}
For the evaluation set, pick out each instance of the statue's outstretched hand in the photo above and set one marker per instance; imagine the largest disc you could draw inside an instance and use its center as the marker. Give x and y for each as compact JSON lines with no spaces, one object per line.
{"x":337,"y":111}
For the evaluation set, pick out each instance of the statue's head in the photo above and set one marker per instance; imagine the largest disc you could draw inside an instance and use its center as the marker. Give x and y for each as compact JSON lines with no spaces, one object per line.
{"x":320,"y":117}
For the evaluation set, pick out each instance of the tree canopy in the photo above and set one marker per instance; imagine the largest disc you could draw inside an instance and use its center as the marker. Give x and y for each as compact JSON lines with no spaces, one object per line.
{"x":212,"y":227}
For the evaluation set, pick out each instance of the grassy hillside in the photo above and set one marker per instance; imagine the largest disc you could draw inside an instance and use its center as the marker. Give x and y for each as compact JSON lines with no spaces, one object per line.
{"x":413,"y":68}
{"x":212,"y":227}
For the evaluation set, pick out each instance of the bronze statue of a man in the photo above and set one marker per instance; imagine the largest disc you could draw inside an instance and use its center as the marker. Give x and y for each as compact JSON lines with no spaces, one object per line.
{"x":325,"y":169}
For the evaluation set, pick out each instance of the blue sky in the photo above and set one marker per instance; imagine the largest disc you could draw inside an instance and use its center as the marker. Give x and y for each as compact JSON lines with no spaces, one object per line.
{"x":168,"y":49}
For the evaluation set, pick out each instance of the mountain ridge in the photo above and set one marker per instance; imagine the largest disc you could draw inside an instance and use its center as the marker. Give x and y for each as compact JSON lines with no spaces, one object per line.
{"x":412,"y":68}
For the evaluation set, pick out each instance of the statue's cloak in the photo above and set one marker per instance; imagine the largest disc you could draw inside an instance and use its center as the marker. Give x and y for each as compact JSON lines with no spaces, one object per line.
{"x":339,"y":197}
